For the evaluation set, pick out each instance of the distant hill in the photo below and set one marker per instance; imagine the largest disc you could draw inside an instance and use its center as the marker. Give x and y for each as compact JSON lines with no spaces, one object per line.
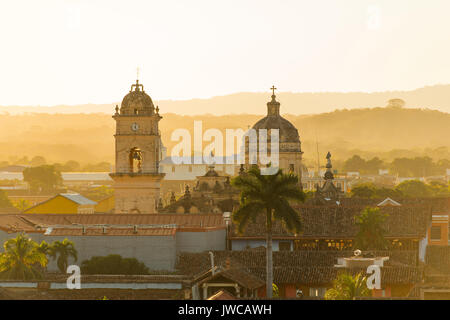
{"x":383,"y":132}
{"x":433,"y":97}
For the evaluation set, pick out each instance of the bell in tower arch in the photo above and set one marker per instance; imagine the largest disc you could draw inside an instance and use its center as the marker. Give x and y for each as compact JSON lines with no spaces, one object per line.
{"x":135,"y":160}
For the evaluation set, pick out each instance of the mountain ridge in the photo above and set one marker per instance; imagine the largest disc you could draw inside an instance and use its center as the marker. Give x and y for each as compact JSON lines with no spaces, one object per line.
{"x":296,"y":103}
{"x":386,"y":132}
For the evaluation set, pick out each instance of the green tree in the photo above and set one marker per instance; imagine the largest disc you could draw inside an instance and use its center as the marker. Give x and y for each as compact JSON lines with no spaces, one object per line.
{"x":113,"y":264}
{"x":44,"y":247}
{"x":371,"y":231}
{"x":71,"y":166}
{"x":355,"y":163}
{"x":38,"y":161}
{"x":364,"y":190}
{"x":21,"y":259}
{"x":371,"y":191}
{"x":348,"y":287}
{"x":22,"y":204}
{"x":439,"y":189}
{"x":98,"y":167}
{"x":413,"y":167}
{"x":42,"y":178}
{"x":402,"y":167}
{"x":268,"y":194}
{"x":22,"y":161}
{"x":275,"y":290}
{"x":62,"y":251}
{"x":373,"y":165}
{"x":99,"y":193}
{"x":442,"y":166}
{"x":4,"y":200}
{"x":414,"y":189}
{"x":383,"y":193}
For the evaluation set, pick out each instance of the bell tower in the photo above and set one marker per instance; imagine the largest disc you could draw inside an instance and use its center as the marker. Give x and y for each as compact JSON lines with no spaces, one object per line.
{"x":138,"y":152}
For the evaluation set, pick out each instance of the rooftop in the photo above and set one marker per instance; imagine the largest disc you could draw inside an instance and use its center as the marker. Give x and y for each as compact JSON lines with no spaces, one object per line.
{"x":301,"y":267}
{"x":322,"y":222}
{"x":114,"y":224}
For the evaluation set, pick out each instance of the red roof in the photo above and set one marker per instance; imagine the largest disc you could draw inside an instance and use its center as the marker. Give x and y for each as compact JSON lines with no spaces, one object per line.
{"x":181,"y":220}
{"x":99,"y":231}
{"x":113,"y":224}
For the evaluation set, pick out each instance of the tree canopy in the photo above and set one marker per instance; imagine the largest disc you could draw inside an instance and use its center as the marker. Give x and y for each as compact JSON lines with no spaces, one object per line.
{"x":347,"y":287}
{"x":113,"y":264}
{"x":371,"y":230}
{"x":4,"y":200}
{"x":22,"y":259}
{"x":404,"y":167}
{"x":62,"y":251}
{"x":268,"y":195}
{"x":42,"y":178}
{"x":406,"y":189}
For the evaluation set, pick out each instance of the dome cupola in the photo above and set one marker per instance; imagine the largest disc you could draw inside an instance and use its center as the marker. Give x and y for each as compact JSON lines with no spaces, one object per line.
{"x":288,"y":134}
{"x":137,"y":102}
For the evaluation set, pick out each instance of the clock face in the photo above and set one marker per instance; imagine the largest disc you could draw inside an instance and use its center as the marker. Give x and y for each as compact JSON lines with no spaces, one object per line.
{"x":135,"y":127}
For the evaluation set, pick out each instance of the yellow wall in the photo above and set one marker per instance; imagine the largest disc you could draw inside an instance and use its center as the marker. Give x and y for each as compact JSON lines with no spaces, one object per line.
{"x":105,"y":205}
{"x":58,"y":204}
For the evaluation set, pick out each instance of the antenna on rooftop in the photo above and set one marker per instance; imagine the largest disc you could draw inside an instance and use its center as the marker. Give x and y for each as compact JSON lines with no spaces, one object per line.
{"x":318,"y":157}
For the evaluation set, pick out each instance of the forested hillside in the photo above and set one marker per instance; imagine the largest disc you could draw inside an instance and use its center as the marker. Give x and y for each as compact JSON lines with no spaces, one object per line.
{"x":384,"y":132}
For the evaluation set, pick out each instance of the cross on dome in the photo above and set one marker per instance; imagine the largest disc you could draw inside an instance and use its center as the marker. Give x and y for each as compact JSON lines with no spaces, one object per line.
{"x":273,"y":90}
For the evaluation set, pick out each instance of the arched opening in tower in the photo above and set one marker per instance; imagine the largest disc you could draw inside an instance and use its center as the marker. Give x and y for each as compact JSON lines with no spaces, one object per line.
{"x":135,"y":158}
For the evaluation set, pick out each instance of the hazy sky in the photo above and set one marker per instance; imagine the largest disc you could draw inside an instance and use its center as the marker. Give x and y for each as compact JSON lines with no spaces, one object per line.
{"x":70,"y":52}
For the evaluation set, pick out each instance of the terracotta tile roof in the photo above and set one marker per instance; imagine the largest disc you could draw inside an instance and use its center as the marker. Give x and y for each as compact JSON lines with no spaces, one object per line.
{"x":194,"y":263}
{"x":107,"y":278}
{"x":15,"y":223}
{"x":437,"y":260}
{"x":326,"y":275}
{"x":222,"y":295}
{"x":115,"y":224}
{"x":181,"y":220}
{"x":307,"y":267}
{"x":339,"y":222}
{"x":99,"y":231}
{"x":434,"y":204}
{"x":9,"y":210}
{"x":238,"y":275}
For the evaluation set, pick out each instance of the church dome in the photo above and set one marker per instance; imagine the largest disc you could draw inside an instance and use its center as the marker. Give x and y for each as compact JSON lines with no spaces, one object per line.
{"x":137,"y":102}
{"x":288,"y":134}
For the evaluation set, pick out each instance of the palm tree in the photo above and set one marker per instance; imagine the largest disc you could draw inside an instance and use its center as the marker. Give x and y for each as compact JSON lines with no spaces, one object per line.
{"x":269,"y":194}
{"x":347,"y":287}
{"x":21,"y":259}
{"x":44,"y":247}
{"x":64,"y":250}
{"x":371,"y":231}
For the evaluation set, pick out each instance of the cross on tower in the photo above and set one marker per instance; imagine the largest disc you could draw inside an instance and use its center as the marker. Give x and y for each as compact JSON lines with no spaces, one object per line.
{"x":137,"y":86}
{"x":273,"y":90}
